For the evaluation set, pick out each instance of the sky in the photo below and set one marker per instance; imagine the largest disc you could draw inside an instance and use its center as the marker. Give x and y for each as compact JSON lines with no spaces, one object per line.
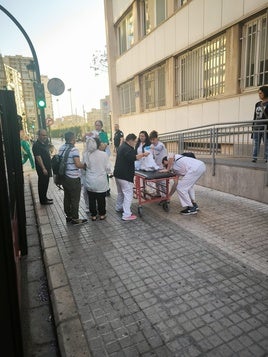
{"x":65,"y":35}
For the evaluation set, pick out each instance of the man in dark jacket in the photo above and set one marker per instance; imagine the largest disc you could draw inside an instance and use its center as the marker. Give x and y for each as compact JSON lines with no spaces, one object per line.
{"x":43,"y":165}
{"x":124,"y":172}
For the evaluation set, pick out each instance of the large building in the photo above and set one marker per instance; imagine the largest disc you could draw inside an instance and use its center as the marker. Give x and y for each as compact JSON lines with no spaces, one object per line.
{"x":181,"y":64}
{"x":24,"y":66}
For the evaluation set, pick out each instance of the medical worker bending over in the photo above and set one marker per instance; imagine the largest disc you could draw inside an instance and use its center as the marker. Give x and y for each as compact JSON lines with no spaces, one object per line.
{"x":190,"y":170}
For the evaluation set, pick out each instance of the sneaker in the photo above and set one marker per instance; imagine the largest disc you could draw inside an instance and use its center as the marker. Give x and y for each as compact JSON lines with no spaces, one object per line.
{"x":254,"y":160}
{"x":196,"y":206}
{"x":129,"y":218}
{"x":189,"y":210}
{"x":78,"y":221}
{"x":69,"y":219}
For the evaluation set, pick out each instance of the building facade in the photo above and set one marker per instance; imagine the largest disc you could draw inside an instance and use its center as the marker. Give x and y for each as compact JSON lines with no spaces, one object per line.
{"x":24,"y":67}
{"x":179,"y":64}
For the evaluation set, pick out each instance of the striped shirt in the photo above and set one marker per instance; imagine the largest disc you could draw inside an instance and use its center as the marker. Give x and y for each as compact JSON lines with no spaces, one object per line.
{"x":71,"y":170}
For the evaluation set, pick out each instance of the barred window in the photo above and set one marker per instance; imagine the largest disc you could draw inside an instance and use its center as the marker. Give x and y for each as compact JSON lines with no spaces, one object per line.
{"x":255,"y":53}
{"x":127,"y":98}
{"x":153,"y":88}
{"x":200,"y":73}
{"x":126,"y":33}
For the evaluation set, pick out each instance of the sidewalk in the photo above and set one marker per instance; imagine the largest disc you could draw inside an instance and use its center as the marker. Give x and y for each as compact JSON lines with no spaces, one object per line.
{"x":164,"y":285}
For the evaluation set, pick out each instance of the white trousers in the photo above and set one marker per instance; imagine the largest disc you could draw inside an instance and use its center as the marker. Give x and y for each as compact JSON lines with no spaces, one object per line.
{"x":124,"y":197}
{"x":185,"y":187}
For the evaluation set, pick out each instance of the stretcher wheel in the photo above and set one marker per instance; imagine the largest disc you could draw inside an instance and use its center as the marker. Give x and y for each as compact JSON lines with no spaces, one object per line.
{"x":140,"y":211}
{"x":165,"y":206}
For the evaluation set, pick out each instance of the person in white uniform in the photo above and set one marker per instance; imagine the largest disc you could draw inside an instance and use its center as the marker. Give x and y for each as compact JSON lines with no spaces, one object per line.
{"x":189,"y":170}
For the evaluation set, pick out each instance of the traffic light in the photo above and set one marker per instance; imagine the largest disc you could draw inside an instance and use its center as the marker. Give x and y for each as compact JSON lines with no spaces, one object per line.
{"x":40,"y":95}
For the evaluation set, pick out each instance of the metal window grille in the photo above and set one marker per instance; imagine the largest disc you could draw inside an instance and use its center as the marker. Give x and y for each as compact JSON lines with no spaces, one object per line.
{"x":255,"y":52}
{"x":201,"y":72}
{"x":153,"y":88}
{"x":127,"y":98}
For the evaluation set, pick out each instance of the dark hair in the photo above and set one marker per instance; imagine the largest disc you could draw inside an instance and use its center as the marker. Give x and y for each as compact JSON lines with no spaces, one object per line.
{"x":69,"y":137}
{"x":147,"y":140}
{"x":264,"y":90}
{"x":153,"y":134}
{"x":164,"y":159}
{"x":131,"y":137}
{"x":99,"y":121}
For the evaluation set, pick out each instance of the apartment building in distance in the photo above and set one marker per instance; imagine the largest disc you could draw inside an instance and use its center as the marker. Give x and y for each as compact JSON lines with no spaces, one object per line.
{"x":23,"y":65}
{"x":179,"y":64}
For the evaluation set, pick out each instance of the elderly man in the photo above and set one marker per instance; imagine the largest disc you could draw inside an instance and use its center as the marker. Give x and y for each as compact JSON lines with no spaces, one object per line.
{"x":43,"y":165}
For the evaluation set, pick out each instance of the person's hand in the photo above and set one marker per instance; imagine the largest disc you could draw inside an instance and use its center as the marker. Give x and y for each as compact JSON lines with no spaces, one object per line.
{"x":146,"y":153}
{"x":163,"y":170}
{"x":45,"y":171}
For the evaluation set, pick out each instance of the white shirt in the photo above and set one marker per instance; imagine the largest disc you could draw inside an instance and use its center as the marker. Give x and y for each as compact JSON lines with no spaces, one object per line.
{"x":98,"y":166}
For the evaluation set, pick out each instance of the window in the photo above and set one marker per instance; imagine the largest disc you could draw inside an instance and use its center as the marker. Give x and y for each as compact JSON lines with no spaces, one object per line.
{"x":153,"y":88}
{"x":153,"y":12}
{"x":180,"y":3}
{"x":201,"y":72}
{"x":126,"y":33}
{"x":255,"y":53}
{"x":127,"y":98}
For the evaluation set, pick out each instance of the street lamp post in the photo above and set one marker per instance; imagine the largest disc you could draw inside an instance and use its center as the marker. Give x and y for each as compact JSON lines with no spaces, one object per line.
{"x":41,"y":118}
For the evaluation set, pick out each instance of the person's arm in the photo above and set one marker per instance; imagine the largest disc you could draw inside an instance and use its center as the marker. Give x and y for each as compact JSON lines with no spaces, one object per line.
{"x":41,"y":164}
{"x":78,"y":163}
{"x":121,"y":138}
{"x":141,"y":155}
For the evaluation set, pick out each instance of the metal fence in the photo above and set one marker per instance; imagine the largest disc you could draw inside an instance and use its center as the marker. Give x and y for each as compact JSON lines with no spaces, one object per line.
{"x":228,"y":140}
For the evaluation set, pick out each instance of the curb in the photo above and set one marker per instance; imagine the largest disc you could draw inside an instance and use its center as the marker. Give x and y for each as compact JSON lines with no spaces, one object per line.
{"x":71,"y":337}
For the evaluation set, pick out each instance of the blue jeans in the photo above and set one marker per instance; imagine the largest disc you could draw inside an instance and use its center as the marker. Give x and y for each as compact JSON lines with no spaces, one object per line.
{"x":258,"y":135}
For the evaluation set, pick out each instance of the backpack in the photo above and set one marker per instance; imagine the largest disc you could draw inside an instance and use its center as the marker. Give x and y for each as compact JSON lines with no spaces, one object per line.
{"x":58,"y":164}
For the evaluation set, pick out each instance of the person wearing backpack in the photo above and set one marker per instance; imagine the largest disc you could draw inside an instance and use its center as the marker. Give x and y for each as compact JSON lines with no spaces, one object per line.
{"x":71,"y":181}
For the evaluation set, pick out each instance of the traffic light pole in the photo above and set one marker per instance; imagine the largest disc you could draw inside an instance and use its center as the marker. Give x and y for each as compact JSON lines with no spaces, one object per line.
{"x":41,"y":115}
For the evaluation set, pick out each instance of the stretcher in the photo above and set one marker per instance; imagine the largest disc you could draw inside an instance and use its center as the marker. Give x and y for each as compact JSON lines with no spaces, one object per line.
{"x":152,"y":186}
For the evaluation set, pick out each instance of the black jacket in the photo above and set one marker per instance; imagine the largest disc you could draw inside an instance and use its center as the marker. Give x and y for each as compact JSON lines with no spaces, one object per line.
{"x":124,"y":168}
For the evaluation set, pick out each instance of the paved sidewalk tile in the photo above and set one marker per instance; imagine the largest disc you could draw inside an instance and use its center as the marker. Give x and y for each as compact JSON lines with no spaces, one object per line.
{"x":168,"y":285}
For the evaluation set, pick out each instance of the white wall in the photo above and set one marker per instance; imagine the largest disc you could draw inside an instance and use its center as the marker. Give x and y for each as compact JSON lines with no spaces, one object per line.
{"x":236,"y":109}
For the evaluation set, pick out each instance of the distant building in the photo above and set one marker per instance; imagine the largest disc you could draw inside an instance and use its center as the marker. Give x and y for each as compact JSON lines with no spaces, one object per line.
{"x":180,"y":64}
{"x":23,"y":65}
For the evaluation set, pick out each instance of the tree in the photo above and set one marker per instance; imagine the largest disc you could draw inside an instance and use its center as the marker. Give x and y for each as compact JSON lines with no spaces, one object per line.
{"x":99,"y":62}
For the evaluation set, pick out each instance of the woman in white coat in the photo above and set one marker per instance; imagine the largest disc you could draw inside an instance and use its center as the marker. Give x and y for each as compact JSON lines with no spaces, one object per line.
{"x":97,"y":168}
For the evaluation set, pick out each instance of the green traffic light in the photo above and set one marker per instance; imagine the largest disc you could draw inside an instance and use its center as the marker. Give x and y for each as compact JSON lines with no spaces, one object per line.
{"x":41,"y":103}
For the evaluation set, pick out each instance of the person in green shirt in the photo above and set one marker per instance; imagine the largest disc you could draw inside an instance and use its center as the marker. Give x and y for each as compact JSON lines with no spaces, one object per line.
{"x":26,"y":150}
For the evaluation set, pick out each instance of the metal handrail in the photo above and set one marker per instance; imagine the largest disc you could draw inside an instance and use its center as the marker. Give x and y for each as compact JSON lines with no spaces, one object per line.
{"x":227,"y":140}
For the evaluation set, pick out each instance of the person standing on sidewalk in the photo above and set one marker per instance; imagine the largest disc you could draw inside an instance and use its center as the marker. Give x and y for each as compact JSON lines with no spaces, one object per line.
{"x":118,"y":137}
{"x":258,"y":130}
{"x":124,"y":172}
{"x":72,"y":180}
{"x":97,"y":168}
{"x":43,"y":165}
{"x":190,"y":170}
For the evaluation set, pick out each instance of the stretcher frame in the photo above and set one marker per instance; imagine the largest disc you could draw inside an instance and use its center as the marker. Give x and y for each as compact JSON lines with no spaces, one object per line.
{"x":146,"y":186}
